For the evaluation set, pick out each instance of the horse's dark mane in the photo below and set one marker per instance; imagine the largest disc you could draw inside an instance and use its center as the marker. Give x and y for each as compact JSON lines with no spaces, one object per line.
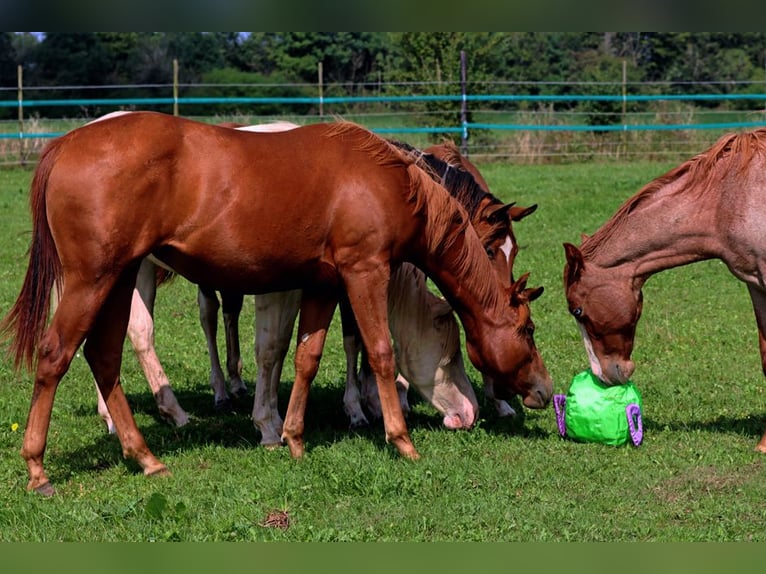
{"x":700,"y":173}
{"x":458,"y":181}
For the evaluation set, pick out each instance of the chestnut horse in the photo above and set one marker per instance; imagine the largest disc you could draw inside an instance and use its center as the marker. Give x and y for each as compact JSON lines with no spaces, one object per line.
{"x":709,"y":207}
{"x":433,"y":366}
{"x":109,"y":194}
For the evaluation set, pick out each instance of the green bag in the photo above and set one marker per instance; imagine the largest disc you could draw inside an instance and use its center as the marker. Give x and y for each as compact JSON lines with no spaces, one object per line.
{"x":592,"y":411}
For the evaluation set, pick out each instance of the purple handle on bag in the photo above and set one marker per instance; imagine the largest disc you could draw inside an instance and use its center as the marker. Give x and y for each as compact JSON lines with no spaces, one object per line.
{"x":559,"y":401}
{"x":634,"y":423}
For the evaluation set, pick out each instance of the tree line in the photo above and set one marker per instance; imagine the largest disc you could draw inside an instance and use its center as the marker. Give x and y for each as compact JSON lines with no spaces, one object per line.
{"x":283,"y":63}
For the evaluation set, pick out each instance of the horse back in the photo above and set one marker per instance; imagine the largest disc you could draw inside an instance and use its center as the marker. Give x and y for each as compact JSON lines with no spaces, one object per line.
{"x":215,"y":200}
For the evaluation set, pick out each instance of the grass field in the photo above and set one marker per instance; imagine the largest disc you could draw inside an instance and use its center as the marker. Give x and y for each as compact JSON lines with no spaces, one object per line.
{"x":695,"y":477}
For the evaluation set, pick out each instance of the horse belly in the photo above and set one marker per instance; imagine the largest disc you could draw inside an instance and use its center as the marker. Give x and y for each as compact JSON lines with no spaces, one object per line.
{"x":248,"y":273}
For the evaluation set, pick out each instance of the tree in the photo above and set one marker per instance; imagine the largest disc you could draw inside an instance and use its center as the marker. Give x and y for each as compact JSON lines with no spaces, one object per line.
{"x":7,"y":60}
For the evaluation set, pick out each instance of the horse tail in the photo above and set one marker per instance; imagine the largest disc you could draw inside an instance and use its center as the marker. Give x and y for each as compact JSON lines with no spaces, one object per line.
{"x":163,"y":275}
{"x":27,"y":319}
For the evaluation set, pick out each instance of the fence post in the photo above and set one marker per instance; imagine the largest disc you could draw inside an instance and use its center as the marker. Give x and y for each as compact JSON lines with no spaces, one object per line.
{"x":20,"y":81}
{"x":175,"y":86}
{"x":321,"y":89}
{"x":624,"y":146}
{"x":463,"y":106}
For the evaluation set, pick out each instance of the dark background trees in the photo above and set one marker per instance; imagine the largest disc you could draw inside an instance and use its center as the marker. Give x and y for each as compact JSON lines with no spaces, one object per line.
{"x":357,"y":62}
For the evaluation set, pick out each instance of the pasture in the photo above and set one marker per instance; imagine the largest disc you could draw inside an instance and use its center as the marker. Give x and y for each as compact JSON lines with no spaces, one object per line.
{"x":695,"y":477}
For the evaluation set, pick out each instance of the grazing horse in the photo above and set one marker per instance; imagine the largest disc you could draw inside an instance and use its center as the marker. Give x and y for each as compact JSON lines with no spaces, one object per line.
{"x":709,"y":207}
{"x":108,"y":194}
{"x":425,"y":345}
{"x":425,"y":338}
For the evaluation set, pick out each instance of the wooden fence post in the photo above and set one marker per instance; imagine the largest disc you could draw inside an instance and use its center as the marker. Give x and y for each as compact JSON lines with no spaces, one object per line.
{"x":320,"y":78}
{"x":20,"y":80}
{"x":463,"y":106}
{"x":175,"y":87}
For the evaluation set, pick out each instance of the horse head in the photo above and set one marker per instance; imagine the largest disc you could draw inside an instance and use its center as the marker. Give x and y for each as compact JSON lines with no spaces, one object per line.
{"x":495,"y":230}
{"x":519,"y":369}
{"x":607,"y":308}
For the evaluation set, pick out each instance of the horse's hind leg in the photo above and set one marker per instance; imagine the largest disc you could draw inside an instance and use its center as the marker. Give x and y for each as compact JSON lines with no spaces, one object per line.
{"x":352,"y":346}
{"x":208,"y":317}
{"x":758,"y":298}
{"x":103,"y":351}
{"x":231,"y":304}
{"x":56,"y":349}
{"x":317,"y":308}
{"x":141,"y":334}
{"x":275,"y":315}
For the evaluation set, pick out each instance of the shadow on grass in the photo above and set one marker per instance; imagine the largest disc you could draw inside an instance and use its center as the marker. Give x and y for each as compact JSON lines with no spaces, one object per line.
{"x":750,"y":425}
{"x":325,"y":425}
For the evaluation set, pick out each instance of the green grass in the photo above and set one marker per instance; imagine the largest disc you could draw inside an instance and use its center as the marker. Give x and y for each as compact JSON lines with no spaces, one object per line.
{"x":695,"y":477}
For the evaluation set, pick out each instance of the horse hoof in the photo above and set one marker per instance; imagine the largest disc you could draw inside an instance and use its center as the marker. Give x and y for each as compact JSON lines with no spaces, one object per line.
{"x":161,"y":471}
{"x":45,"y":489}
{"x":296,"y":448}
{"x":240,"y":393}
{"x":357,"y":424}
{"x":224,"y":406}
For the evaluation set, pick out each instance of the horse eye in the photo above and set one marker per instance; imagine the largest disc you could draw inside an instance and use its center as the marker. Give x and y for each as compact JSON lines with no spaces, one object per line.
{"x":490,"y":252}
{"x":530,"y":329}
{"x":577,"y":312}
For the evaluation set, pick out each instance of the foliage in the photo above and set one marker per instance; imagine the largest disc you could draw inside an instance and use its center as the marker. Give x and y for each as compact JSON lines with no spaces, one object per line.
{"x":357,"y":60}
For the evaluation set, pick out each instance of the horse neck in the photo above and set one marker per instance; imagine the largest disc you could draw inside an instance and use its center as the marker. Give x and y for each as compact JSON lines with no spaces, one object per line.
{"x":668,"y":228}
{"x":473,"y":290}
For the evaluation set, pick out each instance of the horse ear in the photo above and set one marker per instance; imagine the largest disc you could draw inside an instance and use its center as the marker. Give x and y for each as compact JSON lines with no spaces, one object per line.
{"x":439,"y":307}
{"x":575,"y":263}
{"x":520,"y":294}
{"x":533,"y":293}
{"x":500,"y":212}
{"x":519,"y":213}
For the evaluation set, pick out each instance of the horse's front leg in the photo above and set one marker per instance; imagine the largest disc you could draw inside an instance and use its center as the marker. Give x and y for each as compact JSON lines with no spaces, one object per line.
{"x":368,"y":295}
{"x":317,"y":308}
{"x":758,"y":298}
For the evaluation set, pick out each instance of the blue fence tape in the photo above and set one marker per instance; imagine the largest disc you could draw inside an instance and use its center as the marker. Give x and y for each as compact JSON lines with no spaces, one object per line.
{"x":463,"y":128}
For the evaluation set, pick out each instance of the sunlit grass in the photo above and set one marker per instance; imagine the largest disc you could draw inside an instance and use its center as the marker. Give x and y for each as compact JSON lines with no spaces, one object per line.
{"x":695,"y":477}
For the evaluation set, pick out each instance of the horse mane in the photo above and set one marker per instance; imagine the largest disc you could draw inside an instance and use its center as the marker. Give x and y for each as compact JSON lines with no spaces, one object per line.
{"x":446,"y":219}
{"x":446,"y":224}
{"x":450,"y":173}
{"x":701,"y":172}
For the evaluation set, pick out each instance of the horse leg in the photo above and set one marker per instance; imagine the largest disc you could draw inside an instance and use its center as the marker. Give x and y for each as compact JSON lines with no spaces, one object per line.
{"x":370,"y":307}
{"x":232,"y":307}
{"x":317,"y":308}
{"x":103,"y":351}
{"x":758,"y":298}
{"x":402,"y":386}
{"x":56,"y":349}
{"x":275,"y":315}
{"x":352,"y":346}
{"x":502,"y":407}
{"x":208,"y":318}
{"x":141,"y":335}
